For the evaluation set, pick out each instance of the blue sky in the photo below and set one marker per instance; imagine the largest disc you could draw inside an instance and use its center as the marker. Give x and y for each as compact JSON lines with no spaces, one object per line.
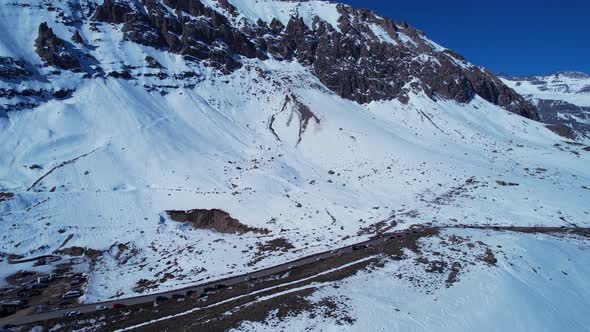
{"x":517,"y":37}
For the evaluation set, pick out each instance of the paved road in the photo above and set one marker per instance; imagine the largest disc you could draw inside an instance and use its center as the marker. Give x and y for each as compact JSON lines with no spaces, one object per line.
{"x":282,"y":268}
{"x":198,"y":289}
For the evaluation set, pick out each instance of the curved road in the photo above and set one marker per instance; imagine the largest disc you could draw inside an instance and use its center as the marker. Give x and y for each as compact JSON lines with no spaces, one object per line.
{"x":235,"y":280}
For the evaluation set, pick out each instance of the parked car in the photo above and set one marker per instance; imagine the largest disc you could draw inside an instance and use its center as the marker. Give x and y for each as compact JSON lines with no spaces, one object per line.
{"x":101,"y":308}
{"x":43,"y":280}
{"x":37,"y":285}
{"x":177,"y":296}
{"x":209,"y":289}
{"x":190,"y":293}
{"x":72,"y":314}
{"x":72,"y":293}
{"x":118,"y":305}
{"x":161,"y":298}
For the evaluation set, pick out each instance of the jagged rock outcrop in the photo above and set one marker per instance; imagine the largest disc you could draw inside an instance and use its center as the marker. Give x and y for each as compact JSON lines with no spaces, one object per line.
{"x":214,"y":219}
{"x":365,"y":58}
{"x":209,"y":37}
{"x":29,"y":98}
{"x":77,"y":38}
{"x":359,"y":65}
{"x":11,"y":68}
{"x":152,"y":63}
{"x":5,"y":196}
{"x":53,"y":50}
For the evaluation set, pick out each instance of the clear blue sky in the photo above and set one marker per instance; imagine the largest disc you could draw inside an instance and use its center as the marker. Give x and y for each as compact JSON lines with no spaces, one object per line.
{"x":516,"y":37}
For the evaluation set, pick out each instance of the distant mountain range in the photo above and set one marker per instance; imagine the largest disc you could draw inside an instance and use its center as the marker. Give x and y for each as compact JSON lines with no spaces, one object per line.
{"x":562,"y":98}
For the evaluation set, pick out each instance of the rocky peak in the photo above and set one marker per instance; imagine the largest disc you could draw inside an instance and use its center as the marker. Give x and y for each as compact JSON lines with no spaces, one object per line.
{"x":54,"y":50}
{"x":573,"y":74}
{"x":194,"y":30}
{"x":77,"y":38}
{"x":361,"y":57}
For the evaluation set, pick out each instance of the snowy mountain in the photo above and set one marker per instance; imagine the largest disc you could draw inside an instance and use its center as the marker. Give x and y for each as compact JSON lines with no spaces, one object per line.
{"x":562,"y":99}
{"x":306,"y":123}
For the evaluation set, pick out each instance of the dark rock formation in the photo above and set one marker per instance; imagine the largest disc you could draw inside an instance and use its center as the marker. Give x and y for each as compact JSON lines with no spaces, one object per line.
{"x":11,"y":68}
{"x":29,"y":98}
{"x":489,"y":257}
{"x":4,"y":196}
{"x":78,"y":252}
{"x":53,"y":50}
{"x":152,"y":63}
{"x":294,"y":106}
{"x":352,"y":59}
{"x":562,"y":130}
{"x":210,"y":37}
{"x":561,"y":114}
{"x":77,"y":38}
{"x":121,"y":74}
{"x":215,"y":219}
{"x":358,"y":65}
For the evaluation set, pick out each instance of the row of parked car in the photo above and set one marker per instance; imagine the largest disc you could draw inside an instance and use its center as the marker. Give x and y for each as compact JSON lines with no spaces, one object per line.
{"x":160,"y":298}
{"x":75,"y":313}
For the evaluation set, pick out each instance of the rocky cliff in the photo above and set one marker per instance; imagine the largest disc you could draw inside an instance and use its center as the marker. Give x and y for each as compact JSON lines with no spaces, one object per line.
{"x":361,"y":56}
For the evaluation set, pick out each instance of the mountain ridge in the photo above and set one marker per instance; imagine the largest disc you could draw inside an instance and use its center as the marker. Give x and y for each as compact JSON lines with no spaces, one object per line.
{"x":94,"y":155}
{"x":363,"y":58}
{"x":562,"y":98}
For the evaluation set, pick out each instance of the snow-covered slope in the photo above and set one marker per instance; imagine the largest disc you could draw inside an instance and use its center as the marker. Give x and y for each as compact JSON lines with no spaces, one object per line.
{"x":561,"y":98}
{"x":538,"y":284}
{"x":94,"y":156}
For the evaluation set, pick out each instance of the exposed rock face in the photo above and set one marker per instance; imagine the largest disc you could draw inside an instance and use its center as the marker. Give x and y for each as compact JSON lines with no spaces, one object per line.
{"x":6,"y":196}
{"x":152,"y":63}
{"x":294,"y":108}
{"x":558,"y":112}
{"x":77,"y":38}
{"x":562,"y":100}
{"x":210,"y":37}
{"x":562,"y":130}
{"x":28,"y":98}
{"x":53,"y":50}
{"x":11,"y":68}
{"x":359,"y":65}
{"x":79,"y":251}
{"x":215,"y":219}
{"x":352,"y":59}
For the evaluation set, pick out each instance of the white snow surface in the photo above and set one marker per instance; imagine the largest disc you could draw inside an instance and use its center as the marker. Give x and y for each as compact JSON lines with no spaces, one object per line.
{"x":539,"y":284}
{"x":574,"y":89}
{"x":266,"y":10}
{"x":382,"y":34}
{"x":209,"y":146}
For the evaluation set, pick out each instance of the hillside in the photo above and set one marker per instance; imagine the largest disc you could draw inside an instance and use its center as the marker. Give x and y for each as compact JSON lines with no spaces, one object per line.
{"x":272,"y":130}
